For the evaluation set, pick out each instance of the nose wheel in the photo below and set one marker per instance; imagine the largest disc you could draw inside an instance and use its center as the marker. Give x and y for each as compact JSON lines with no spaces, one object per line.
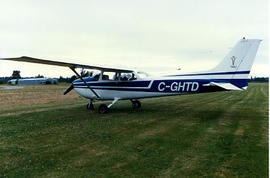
{"x":103,"y":108}
{"x":136,"y":104}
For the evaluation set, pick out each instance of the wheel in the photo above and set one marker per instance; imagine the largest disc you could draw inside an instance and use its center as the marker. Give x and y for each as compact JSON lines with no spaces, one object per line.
{"x":136,"y":104}
{"x":90,"y":106}
{"x":102,"y":109}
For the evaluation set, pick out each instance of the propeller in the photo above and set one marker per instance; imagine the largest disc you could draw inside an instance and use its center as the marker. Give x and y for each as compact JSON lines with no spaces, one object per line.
{"x":69,"y":89}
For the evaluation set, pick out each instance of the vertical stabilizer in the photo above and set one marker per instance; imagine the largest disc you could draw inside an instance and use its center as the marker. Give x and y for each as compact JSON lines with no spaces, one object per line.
{"x":240,"y":59}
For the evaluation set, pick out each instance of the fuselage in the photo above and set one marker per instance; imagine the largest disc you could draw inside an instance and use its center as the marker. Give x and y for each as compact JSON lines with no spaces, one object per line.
{"x":157,"y":87}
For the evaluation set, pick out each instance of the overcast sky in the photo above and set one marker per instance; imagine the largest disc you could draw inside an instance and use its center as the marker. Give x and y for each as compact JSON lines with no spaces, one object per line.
{"x":142,"y":34}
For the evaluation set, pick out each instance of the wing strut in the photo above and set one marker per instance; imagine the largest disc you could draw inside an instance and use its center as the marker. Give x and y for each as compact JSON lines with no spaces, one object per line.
{"x":73,"y":69}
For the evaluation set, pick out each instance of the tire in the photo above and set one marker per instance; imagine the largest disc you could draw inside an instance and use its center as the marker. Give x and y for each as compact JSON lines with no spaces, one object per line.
{"x":90,"y":106}
{"x":136,"y":104}
{"x":103,"y":109}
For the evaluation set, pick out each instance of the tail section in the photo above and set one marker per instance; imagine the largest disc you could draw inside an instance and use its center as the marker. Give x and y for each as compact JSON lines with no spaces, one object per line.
{"x":239,"y":60}
{"x":235,"y":67}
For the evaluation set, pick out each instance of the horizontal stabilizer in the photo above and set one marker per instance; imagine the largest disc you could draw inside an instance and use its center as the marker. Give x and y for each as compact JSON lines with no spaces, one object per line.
{"x":226,"y":86}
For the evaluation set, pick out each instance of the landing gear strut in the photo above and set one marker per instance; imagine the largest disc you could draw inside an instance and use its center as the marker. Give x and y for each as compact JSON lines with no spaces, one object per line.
{"x":90,"y":105}
{"x":135,"y":104}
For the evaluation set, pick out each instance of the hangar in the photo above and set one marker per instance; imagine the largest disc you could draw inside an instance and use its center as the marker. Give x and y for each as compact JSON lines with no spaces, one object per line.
{"x":33,"y":81}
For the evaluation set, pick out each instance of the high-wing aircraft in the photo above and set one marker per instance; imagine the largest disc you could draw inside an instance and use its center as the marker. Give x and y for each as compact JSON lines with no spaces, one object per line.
{"x":121,"y":84}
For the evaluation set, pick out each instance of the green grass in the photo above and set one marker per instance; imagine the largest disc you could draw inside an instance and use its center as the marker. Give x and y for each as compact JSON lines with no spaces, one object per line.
{"x":222,"y":134}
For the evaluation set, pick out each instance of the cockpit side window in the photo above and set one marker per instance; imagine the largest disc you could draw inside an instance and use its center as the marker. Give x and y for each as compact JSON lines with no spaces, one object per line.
{"x":108,"y":76}
{"x":115,"y":76}
{"x":96,"y":77}
{"x":133,"y":77}
{"x":128,"y":76}
{"x":105,"y":77}
{"x":124,"y":77}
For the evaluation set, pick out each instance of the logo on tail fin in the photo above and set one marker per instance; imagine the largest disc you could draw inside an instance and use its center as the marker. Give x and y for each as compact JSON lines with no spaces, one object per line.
{"x":233,"y":58}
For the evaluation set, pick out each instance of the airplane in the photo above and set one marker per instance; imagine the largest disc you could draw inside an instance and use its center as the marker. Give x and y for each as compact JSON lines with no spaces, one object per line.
{"x":115,"y":84}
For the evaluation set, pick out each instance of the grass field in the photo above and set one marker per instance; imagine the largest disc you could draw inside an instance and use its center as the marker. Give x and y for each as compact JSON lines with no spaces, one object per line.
{"x":45,"y":134}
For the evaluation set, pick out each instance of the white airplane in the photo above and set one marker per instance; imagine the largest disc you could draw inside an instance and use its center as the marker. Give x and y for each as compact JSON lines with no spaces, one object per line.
{"x":121,"y":84}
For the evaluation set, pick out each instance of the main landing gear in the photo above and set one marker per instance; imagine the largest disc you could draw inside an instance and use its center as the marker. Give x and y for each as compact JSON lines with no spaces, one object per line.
{"x":90,"y":105}
{"x":103,"y":108}
{"x":135,"y":104}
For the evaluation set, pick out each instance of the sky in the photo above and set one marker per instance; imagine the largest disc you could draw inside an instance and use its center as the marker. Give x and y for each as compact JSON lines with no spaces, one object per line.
{"x":148,"y":35}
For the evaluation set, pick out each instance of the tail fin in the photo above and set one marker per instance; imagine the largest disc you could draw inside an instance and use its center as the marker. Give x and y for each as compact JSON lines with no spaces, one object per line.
{"x":239,"y":60}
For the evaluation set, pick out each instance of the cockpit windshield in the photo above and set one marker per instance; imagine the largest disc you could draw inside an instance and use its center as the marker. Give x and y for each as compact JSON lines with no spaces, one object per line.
{"x":142,"y":75}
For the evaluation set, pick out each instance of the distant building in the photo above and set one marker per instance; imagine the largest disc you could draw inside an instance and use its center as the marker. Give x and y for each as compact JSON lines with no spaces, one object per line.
{"x":33,"y":81}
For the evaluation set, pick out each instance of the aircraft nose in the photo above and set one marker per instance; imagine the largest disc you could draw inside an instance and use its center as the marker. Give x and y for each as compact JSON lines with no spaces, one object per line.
{"x":86,"y":79}
{"x":77,"y":80}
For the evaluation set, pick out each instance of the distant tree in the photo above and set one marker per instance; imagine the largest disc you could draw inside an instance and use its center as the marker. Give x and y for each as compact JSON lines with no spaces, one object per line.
{"x":16,"y":74}
{"x":39,"y":76}
{"x":259,"y":79}
{"x":61,"y":79}
{"x":4,"y":79}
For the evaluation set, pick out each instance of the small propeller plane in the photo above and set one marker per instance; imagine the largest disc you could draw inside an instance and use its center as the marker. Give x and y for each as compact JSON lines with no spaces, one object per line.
{"x":122,"y":84}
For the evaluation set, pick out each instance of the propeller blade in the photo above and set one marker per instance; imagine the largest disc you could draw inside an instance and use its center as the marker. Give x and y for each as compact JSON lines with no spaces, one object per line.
{"x":69,"y":89}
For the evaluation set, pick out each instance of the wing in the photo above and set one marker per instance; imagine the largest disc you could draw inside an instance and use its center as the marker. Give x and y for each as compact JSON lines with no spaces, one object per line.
{"x":64,"y":64}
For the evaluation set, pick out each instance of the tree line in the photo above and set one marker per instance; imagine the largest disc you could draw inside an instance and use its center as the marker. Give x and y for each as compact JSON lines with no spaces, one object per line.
{"x":16,"y":74}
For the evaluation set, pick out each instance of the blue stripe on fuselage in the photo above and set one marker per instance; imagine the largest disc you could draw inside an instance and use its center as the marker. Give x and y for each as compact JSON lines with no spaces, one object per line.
{"x":116,"y":83}
{"x":166,"y":86}
{"x":216,"y":73}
